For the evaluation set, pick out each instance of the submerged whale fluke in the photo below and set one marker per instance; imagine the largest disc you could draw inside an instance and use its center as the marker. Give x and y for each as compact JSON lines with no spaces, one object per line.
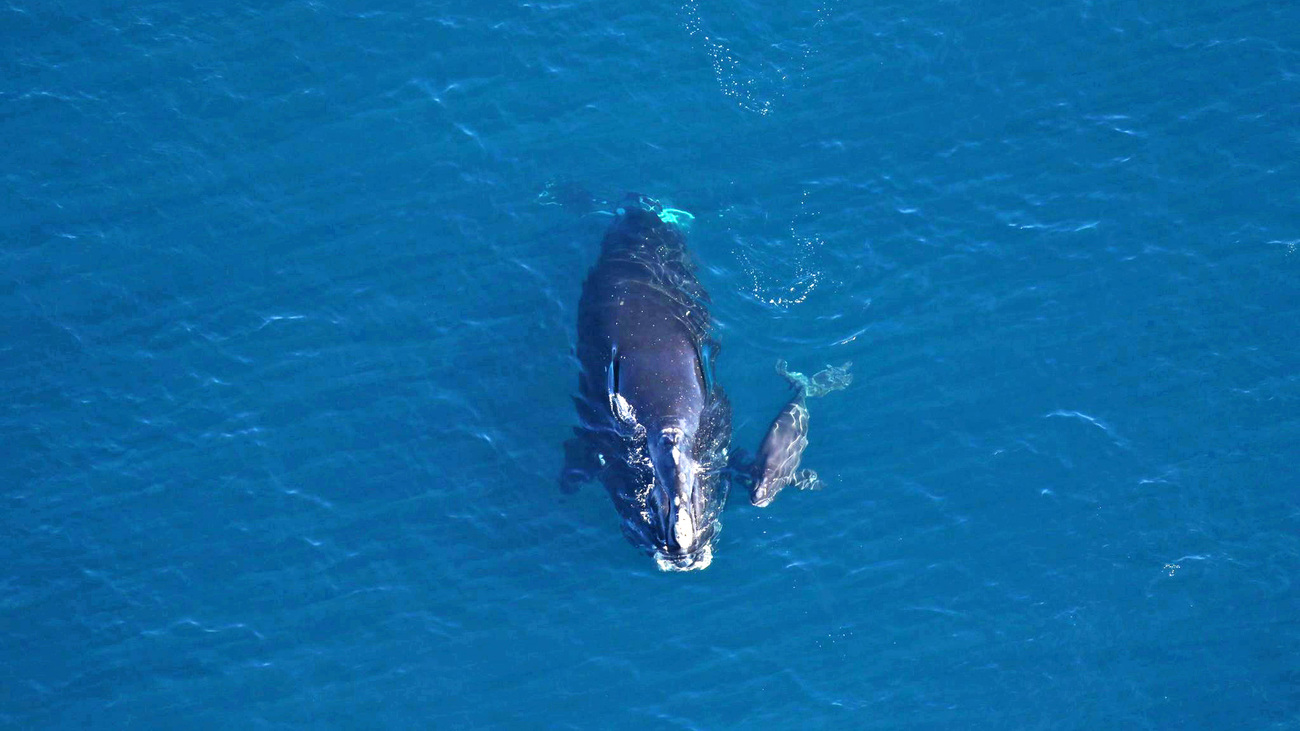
{"x":833,"y":378}
{"x":777,"y":464}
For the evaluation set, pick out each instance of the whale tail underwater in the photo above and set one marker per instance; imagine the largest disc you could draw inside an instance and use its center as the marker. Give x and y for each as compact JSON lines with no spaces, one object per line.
{"x":654,"y":425}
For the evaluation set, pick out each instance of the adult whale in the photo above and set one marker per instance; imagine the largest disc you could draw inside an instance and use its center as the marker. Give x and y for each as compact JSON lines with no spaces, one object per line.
{"x":654,"y":426}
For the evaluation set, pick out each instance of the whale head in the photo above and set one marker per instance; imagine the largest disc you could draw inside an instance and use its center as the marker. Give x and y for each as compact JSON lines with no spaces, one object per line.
{"x":678,"y":521}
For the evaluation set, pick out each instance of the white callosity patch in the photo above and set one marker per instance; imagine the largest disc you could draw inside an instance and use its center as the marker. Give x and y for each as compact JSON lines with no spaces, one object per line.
{"x":684,"y":527}
{"x":701,"y":560}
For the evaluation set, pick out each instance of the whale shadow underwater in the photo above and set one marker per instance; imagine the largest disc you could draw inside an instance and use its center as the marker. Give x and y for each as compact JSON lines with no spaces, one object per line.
{"x":654,"y":426}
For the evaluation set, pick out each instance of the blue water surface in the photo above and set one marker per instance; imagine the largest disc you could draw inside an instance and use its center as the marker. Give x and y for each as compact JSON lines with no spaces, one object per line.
{"x":286,"y":363}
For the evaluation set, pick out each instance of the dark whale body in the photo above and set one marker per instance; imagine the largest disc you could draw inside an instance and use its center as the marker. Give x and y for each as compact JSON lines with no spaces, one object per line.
{"x":654,"y":426}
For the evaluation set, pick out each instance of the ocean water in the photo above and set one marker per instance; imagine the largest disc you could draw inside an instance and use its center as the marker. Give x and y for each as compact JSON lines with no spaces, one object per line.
{"x":286,"y":363}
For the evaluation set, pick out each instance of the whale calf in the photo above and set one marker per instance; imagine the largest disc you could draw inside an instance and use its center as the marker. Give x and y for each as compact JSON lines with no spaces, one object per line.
{"x":654,"y":426}
{"x":776,"y":466}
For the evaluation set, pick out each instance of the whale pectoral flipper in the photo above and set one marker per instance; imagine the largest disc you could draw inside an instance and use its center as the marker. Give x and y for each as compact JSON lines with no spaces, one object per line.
{"x":741,"y":468}
{"x":581,"y":464}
